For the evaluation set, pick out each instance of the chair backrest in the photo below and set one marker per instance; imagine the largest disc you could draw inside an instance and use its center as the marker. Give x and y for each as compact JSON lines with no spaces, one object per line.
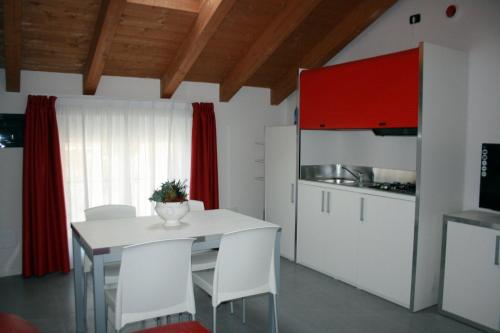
{"x":245,"y":264}
{"x":154,"y":281}
{"x":107,"y":212}
{"x":195,"y":205}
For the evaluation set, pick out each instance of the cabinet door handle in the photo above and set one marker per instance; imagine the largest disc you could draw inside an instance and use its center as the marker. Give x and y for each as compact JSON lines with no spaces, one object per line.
{"x":497,"y":250}
{"x":322,"y":201}
{"x":362,"y":210}
{"x":292,"y":194}
{"x":328,"y":202}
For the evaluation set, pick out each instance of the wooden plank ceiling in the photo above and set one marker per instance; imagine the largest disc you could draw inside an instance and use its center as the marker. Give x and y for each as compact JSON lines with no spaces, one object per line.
{"x":235,"y":43}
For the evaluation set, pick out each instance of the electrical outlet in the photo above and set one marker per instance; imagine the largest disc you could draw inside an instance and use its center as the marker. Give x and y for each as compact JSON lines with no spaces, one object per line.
{"x":414,"y":19}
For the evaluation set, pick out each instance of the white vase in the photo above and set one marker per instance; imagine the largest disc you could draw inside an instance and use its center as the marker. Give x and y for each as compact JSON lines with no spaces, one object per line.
{"x":171,"y":212}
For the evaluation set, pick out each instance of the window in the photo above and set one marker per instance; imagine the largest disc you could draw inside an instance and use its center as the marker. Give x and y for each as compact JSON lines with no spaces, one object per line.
{"x":117,"y":152}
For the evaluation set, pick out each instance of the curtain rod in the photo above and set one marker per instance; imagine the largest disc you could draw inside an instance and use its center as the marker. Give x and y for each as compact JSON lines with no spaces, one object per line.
{"x":124,"y":99}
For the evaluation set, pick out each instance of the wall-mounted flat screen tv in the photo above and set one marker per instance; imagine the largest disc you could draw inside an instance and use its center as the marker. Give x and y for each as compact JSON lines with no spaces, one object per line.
{"x":11,"y":130}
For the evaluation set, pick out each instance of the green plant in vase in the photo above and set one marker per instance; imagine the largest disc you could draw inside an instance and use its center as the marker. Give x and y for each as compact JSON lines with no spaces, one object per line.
{"x":170,"y":191}
{"x":171,"y":201}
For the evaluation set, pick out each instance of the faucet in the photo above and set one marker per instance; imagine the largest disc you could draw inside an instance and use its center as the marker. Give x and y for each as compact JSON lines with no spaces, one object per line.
{"x":359,"y":177}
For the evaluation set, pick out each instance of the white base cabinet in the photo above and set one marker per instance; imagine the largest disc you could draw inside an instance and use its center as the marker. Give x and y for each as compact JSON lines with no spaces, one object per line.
{"x":359,"y":238}
{"x":385,"y":247}
{"x":311,"y":218}
{"x":326,"y":231}
{"x":341,"y":233}
{"x":471,"y":279}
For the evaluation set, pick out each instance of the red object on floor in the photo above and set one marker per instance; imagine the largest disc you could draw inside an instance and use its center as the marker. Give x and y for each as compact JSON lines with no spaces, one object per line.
{"x":204,"y":182}
{"x":184,"y":327}
{"x":14,"y":324}
{"x":45,"y":238}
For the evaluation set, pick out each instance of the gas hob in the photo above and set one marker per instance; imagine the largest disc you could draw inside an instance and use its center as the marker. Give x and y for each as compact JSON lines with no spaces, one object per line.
{"x":403,"y":188}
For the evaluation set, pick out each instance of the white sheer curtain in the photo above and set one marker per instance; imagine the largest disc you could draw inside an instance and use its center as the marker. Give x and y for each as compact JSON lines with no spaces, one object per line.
{"x":117,"y":152}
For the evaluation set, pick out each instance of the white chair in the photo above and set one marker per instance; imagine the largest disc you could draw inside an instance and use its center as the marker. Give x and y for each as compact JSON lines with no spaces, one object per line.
{"x":245,"y":267}
{"x":195,"y":205}
{"x":204,"y":259}
{"x":154,"y":281}
{"x":105,"y":212}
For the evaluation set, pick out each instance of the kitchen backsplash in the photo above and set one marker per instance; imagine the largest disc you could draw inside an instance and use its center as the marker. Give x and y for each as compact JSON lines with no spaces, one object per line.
{"x":358,"y":148}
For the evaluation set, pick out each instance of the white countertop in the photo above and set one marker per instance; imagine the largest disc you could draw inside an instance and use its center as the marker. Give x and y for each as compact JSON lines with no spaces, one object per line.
{"x":474,"y":217}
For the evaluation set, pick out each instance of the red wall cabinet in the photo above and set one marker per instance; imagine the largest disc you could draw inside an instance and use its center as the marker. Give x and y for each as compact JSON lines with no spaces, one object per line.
{"x":379,"y":92}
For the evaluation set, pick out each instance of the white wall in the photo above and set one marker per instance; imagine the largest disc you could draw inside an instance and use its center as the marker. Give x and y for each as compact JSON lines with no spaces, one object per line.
{"x":476,"y":30}
{"x":240,"y":123}
{"x":358,"y":148}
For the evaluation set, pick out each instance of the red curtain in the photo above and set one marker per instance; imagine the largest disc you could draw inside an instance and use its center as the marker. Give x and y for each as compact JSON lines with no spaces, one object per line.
{"x":45,"y":238}
{"x":204,"y":182}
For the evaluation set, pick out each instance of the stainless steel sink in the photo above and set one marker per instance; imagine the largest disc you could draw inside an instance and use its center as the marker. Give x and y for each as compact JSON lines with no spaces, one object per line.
{"x":339,"y":181}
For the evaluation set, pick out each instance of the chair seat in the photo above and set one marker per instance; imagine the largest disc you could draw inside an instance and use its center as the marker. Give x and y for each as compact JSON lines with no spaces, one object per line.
{"x":203,"y":260}
{"x":185,"y":327}
{"x":111,"y":271}
{"x":14,"y":324}
{"x":204,"y":280}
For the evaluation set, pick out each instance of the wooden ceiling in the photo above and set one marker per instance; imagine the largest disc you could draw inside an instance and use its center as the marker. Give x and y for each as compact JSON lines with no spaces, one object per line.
{"x":235,"y":43}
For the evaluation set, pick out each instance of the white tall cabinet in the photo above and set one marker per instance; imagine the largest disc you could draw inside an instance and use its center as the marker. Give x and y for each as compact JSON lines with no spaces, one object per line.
{"x":280,"y":183}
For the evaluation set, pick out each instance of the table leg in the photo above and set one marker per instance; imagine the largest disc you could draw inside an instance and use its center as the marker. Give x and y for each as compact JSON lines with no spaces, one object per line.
{"x":99,"y":301}
{"x":277,"y":258}
{"x":79,"y":280}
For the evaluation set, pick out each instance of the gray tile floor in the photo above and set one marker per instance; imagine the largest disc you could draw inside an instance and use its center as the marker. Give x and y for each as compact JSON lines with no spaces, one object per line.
{"x":309,"y":302}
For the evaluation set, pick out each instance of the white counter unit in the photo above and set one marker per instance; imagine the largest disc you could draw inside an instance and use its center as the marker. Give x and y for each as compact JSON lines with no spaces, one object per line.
{"x":438,"y":160}
{"x":470,"y":279}
{"x":360,"y":236}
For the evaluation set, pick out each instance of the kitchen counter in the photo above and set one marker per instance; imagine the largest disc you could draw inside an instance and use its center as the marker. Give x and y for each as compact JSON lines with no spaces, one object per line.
{"x":474,"y":217}
{"x":360,"y":189}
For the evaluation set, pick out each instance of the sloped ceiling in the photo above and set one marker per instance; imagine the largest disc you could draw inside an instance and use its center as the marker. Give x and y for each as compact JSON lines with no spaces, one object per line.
{"x":235,"y":43}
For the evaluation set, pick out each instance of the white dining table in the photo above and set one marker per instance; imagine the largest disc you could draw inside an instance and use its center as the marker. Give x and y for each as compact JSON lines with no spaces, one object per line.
{"x":102,"y":241}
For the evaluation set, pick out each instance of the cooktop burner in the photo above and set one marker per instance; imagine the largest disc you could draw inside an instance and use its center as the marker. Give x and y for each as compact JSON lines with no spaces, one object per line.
{"x":403,"y":188}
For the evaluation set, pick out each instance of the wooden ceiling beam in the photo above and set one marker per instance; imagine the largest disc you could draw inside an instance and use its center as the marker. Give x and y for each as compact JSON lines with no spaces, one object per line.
{"x":274,"y":35}
{"x":12,"y":44}
{"x":211,"y":15}
{"x":107,"y":24}
{"x":190,"y":6}
{"x":341,"y":35}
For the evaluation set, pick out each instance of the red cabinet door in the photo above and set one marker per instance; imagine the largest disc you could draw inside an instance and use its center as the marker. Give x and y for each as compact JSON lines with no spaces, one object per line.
{"x":315,"y":98}
{"x":371,"y":93}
